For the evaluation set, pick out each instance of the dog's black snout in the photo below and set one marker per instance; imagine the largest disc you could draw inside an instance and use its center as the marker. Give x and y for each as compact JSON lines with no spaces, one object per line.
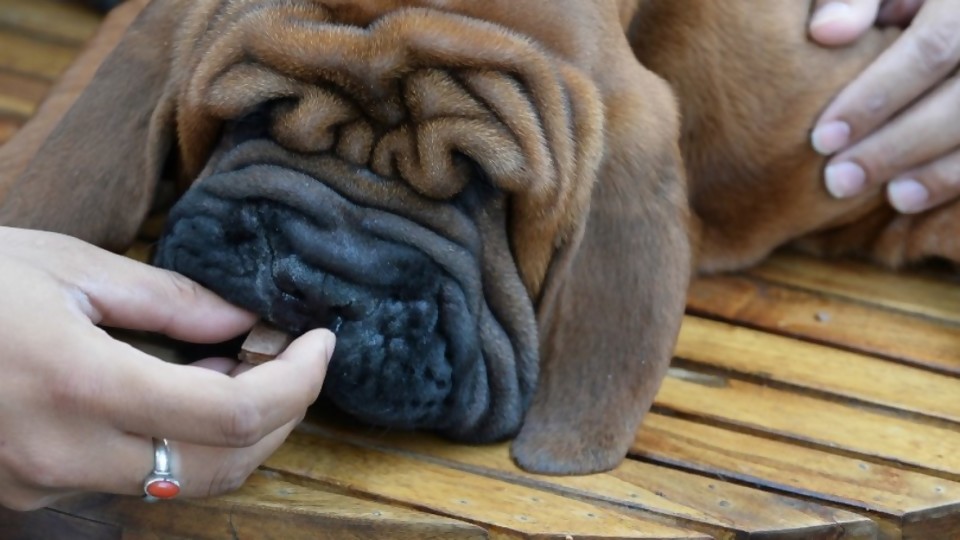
{"x":408,"y":349}
{"x":285,"y":274}
{"x":243,"y":226}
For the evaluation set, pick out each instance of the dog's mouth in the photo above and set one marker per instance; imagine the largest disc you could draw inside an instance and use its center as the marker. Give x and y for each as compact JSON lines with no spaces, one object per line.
{"x":415,"y":337}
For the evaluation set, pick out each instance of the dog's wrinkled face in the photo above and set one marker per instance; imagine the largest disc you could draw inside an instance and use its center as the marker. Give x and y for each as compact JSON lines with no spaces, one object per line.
{"x":375,"y":174}
{"x":485,"y":200}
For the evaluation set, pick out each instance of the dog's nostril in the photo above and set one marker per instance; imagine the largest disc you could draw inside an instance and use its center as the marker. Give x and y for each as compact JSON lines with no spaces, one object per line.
{"x":288,"y":284}
{"x":357,"y":310}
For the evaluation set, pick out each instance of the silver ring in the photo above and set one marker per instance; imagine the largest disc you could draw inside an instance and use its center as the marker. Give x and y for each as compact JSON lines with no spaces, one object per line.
{"x":160,"y":484}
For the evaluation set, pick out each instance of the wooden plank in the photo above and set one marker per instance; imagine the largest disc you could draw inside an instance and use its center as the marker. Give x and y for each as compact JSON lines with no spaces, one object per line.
{"x":20,"y":95}
{"x":768,"y":357}
{"x":50,"y":524}
{"x":507,"y":510}
{"x":686,"y":500}
{"x":267,"y":507}
{"x":813,"y":421}
{"x":67,"y":22}
{"x":140,"y":251}
{"x":908,"y":504}
{"x":29,"y":56}
{"x":8,"y":126}
{"x":911,"y":339}
{"x":914,"y":293}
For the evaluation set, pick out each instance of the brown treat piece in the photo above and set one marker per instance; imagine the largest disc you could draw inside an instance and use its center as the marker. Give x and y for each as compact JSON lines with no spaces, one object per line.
{"x":264,"y":343}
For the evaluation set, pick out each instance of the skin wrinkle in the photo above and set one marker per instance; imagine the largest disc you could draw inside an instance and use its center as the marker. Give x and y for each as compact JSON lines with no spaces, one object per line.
{"x":449,"y":81}
{"x":226,"y":161}
{"x":536,"y":204}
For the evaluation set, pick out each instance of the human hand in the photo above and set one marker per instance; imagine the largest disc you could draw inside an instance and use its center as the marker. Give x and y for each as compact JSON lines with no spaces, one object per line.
{"x":899,"y":121}
{"x":78,"y":409}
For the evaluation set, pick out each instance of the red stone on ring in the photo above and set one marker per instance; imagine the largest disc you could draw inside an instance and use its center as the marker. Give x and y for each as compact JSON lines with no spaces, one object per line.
{"x":162,"y":489}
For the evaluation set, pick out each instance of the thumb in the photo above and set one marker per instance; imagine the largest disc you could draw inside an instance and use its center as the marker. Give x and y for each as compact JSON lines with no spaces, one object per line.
{"x":839,"y":22}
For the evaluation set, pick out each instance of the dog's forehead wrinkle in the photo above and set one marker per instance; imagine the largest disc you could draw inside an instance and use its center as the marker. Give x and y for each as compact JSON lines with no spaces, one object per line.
{"x":475,"y":127}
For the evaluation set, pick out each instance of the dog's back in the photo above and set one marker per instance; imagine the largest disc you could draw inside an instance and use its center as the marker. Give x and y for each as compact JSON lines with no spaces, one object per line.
{"x":750,"y":84}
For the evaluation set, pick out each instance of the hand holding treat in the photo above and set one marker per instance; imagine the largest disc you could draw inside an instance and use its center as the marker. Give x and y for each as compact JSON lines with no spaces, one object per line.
{"x":82,"y":411}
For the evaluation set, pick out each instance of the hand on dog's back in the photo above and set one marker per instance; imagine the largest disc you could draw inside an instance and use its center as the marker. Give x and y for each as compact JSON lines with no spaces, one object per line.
{"x":904,"y":100}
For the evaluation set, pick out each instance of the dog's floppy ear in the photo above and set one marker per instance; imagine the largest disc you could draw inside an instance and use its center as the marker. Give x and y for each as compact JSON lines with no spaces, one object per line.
{"x":614,"y":297}
{"x":94,"y":174}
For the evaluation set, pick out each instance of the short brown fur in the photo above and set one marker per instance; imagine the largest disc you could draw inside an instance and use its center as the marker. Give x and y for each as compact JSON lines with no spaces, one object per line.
{"x":605,"y":231}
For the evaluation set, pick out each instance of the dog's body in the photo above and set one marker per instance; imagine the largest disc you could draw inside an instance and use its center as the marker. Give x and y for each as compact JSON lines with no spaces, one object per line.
{"x":486,"y":199}
{"x":749,"y":88}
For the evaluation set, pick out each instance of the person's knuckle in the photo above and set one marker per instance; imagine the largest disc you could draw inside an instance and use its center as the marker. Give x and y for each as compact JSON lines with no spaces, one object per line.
{"x":241,"y":423}
{"x":938,"y":45}
{"x":183,"y":287}
{"x":39,"y":470}
{"x":876,"y":167}
{"x":949,"y":174}
{"x":71,"y":392}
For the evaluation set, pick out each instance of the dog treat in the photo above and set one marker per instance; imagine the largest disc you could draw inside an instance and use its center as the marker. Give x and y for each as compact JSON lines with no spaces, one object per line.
{"x":264,"y":343}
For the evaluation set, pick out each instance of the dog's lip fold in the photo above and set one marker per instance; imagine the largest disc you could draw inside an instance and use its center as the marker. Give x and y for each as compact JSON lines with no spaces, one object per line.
{"x":236,"y":187}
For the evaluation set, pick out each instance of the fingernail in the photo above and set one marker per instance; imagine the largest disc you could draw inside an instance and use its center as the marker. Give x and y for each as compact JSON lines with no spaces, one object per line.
{"x":845,"y":179}
{"x":830,"y":137}
{"x":907,"y":195}
{"x":832,"y":12}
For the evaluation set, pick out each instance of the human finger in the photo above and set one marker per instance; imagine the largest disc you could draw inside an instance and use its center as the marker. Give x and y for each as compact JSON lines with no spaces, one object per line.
{"x":919,"y":135}
{"x":128,"y":294}
{"x":122,"y":466}
{"x":898,"y":12}
{"x":140,"y":394}
{"x":916,"y":62}
{"x":92,"y":455}
{"x":838,"y":22}
{"x":113,"y":290}
{"x":927,"y":186}
{"x":207,"y":471}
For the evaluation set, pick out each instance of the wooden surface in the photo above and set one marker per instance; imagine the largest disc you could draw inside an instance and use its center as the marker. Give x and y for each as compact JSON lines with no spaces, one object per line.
{"x":808,"y":399}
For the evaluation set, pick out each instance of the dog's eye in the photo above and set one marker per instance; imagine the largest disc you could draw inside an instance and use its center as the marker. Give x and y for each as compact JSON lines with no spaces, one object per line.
{"x":257,"y":117}
{"x":478,"y":187}
{"x":254,"y":124}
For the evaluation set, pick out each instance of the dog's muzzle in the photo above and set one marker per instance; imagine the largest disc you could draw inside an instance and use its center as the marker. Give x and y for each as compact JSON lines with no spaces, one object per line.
{"x":403,"y":300}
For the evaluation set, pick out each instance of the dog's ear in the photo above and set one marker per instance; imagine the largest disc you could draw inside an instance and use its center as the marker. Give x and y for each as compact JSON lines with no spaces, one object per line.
{"x":614,"y":297}
{"x":94,"y":172}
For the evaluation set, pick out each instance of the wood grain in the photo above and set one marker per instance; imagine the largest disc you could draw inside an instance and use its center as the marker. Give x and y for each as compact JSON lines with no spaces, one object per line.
{"x":706,"y":504}
{"x":807,"y":366}
{"x":65,"y":22}
{"x":8,"y":126}
{"x":918,"y":505}
{"x":42,"y":59}
{"x":912,"y":293}
{"x":267,"y":507}
{"x":20,"y":94}
{"x":507,"y":510}
{"x":812,"y":421}
{"x":48,"y":524}
{"x":831,"y":320}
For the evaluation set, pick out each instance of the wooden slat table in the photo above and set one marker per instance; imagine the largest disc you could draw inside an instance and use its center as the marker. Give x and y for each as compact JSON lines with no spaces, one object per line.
{"x":808,"y":399}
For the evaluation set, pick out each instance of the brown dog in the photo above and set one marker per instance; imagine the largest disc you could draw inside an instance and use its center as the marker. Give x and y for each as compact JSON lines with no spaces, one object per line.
{"x":485,"y":199}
